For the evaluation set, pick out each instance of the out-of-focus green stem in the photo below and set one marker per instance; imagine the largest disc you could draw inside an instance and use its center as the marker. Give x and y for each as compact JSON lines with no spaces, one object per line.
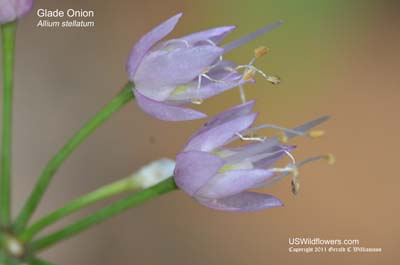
{"x":8,"y":45}
{"x":37,"y":261}
{"x":43,"y":181}
{"x":123,"y":185}
{"x":102,"y":215}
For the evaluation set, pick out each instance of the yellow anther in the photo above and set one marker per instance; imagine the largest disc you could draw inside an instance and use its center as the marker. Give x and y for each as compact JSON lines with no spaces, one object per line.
{"x":331,"y":159}
{"x":206,"y":70}
{"x":260,"y":51}
{"x":249,"y":74}
{"x":275,"y":80}
{"x":295,"y":183}
{"x":283,"y":137}
{"x":316,"y":133}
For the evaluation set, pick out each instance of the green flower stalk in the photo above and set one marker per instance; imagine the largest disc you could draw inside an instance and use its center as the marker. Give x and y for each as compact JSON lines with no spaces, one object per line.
{"x":102,"y":215}
{"x":8,"y":40}
{"x":147,"y":176}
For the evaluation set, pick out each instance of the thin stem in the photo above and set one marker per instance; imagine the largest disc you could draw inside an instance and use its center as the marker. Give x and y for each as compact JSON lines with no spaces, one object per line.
{"x":2,"y":240}
{"x":102,"y":193}
{"x":4,"y":259}
{"x":8,"y":42}
{"x":102,"y":215}
{"x":37,"y":261}
{"x":44,"y":180}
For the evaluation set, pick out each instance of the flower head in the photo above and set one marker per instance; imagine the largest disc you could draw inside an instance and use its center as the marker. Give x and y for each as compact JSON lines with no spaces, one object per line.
{"x":186,"y":70}
{"x":11,"y":10}
{"x":219,"y":177}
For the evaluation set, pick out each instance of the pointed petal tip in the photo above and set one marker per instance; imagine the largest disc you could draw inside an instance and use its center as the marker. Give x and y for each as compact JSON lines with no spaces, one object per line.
{"x":236,"y":43}
{"x":327,"y":117}
{"x":178,"y":15}
{"x":250,"y":104}
{"x":147,"y":41}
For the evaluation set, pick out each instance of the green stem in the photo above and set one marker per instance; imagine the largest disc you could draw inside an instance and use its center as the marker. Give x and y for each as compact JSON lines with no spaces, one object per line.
{"x":102,"y":215}
{"x":5,"y":260}
{"x":126,"y":184}
{"x":8,"y":42}
{"x":42,"y":183}
{"x":2,"y":240}
{"x":37,"y":261}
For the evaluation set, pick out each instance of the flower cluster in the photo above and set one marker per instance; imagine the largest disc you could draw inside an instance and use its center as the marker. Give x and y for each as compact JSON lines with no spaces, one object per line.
{"x":176,"y":72}
{"x":186,"y":70}
{"x":219,"y":176}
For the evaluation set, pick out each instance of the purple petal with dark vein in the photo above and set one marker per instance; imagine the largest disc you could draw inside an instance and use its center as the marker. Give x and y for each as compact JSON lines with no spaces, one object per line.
{"x":243,"y":202}
{"x":214,"y":34}
{"x":147,"y":41}
{"x":233,"y":182}
{"x":164,"y":111}
{"x":193,"y":169}
{"x":216,"y":136}
{"x":236,"y":43}
{"x":171,"y":69}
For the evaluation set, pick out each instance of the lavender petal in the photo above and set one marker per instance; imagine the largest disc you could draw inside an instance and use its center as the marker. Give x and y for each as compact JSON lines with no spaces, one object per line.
{"x":236,"y":43}
{"x":193,"y":169}
{"x":147,"y":41}
{"x":168,"y":70}
{"x":233,"y":182}
{"x":164,"y":111}
{"x":243,"y":202}
{"x":214,"y":137}
{"x":214,"y":34}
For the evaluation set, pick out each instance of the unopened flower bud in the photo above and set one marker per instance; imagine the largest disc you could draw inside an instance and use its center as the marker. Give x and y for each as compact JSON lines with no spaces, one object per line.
{"x":153,"y":173}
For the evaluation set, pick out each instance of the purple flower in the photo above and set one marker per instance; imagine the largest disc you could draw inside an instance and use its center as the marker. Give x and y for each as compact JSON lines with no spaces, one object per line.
{"x":11,"y":10}
{"x":184,"y":70}
{"x":219,"y":177}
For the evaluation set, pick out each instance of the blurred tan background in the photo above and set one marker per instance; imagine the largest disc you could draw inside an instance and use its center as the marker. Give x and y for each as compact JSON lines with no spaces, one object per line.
{"x":334,"y":57}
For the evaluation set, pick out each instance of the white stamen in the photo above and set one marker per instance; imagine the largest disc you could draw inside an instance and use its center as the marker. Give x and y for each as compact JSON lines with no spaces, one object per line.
{"x":212,"y":79}
{"x":272,"y":126}
{"x":185,"y":42}
{"x":242,"y":94}
{"x":199,"y":81}
{"x":244,"y":138}
{"x":290,"y":156}
{"x":211,"y":42}
{"x":287,"y":171}
{"x":252,"y":67}
{"x":220,"y":57}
